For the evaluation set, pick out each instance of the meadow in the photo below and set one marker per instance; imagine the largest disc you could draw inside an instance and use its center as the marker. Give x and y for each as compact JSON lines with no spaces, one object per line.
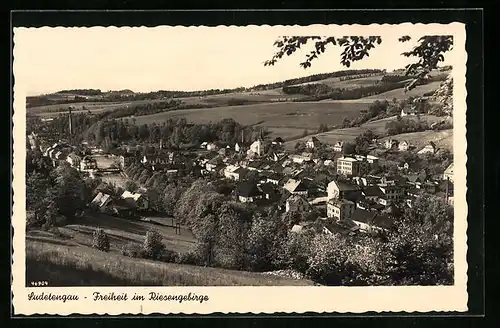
{"x":281,"y":119}
{"x":442,"y":139}
{"x":350,"y":134}
{"x":63,"y":265}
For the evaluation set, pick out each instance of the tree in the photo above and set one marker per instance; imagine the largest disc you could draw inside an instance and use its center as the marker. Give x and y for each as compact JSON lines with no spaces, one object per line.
{"x":100,"y":240}
{"x":130,"y":185}
{"x":153,"y":246}
{"x":429,"y":51}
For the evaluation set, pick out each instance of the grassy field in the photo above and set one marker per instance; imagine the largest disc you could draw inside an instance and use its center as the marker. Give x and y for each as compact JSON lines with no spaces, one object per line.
{"x":335,"y":82}
{"x":442,"y":139}
{"x":286,"y":119}
{"x":120,"y":231}
{"x":63,"y":265}
{"x":400,"y":94}
{"x":349,"y":134}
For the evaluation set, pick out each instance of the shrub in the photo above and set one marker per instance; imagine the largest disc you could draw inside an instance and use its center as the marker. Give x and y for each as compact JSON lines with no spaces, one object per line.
{"x":132,"y":250}
{"x":153,"y":246}
{"x":169,"y":256}
{"x":100,"y":240}
{"x":188,"y":258}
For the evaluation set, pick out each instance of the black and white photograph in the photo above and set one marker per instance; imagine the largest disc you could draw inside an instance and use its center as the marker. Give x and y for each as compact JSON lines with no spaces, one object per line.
{"x":312,"y":157}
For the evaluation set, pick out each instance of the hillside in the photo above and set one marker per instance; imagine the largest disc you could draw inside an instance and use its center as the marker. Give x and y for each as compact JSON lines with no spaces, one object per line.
{"x":350,"y":134}
{"x":63,"y":265}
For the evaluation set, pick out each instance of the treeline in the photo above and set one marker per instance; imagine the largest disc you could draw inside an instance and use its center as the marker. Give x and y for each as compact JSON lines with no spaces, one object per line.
{"x":313,"y":78}
{"x":325,"y":92}
{"x":82,"y":92}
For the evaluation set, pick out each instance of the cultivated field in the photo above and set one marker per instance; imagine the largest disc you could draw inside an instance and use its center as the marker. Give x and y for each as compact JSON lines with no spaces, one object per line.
{"x":286,"y":118}
{"x":335,"y":82}
{"x":400,"y":94}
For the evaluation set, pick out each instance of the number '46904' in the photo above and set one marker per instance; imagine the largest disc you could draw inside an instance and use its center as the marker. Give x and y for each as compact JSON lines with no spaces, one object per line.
{"x":39,"y":283}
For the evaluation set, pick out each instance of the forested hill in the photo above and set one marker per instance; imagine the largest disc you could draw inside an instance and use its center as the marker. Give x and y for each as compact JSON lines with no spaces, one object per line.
{"x":96,"y":95}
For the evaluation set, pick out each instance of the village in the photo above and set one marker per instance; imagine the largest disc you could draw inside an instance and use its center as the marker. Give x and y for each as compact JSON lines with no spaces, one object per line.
{"x":348,"y":193}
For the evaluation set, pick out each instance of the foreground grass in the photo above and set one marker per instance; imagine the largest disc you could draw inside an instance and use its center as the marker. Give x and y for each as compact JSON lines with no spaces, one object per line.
{"x":63,"y":265}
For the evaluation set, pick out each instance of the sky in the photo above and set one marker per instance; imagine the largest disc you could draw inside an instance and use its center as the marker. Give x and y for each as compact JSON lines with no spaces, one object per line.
{"x":184,"y":58}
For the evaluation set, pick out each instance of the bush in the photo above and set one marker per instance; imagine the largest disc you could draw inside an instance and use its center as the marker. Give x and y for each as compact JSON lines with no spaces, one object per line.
{"x":188,"y":258}
{"x":132,"y":250}
{"x":100,"y":240}
{"x":153,"y":246}
{"x":169,"y":256}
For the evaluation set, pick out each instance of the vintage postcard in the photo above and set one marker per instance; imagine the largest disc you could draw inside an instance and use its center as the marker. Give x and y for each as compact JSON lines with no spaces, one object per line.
{"x":239,"y":169}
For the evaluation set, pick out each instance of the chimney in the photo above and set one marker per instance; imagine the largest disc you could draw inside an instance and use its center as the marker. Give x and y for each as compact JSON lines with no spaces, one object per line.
{"x":70,"y":123}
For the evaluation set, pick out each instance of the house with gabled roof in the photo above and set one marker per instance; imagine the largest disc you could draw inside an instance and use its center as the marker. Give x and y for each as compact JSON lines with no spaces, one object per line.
{"x":449,"y":173}
{"x":139,"y":200}
{"x":430,"y":148}
{"x":297,"y":203}
{"x":370,"y":221}
{"x":404,"y":145}
{"x":343,"y":190}
{"x":296,"y":187}
{"x":338,"y":147}
{"x":248,"y":192}
{"x":313,"y":143}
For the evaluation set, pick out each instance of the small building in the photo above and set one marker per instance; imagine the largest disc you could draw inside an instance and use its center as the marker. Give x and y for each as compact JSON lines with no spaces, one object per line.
{"x":296,"y":187}
{"x":268,"y":191}
{"x":428,"y":149}
{"x":126,"y":160}
{"x":313,"y":143}
{"x":139,"y":200}
{"x":248,"y":192}
{"x":301,"y":158}
{"x":408,"y":111}
{"x":338,"y":147}
{"x":448,"y":173}
{"x":88,"y":163}
{"x":343,"y":190}
{"x":340,"y":209}
{"x":297,"y":203}
{"x":257,"y":148}
{"x":404,"y":145}
{"x":390,"y":143}
{"x":369,"y":221}
{"x":100,"y":201}
{"x":392,"y":192}
{"x":74,"y":160}
{"x":237,"y":148}
{"x":404,"y":166}
{"x":348,"y":166}
{"x":211,"y":146}
{"x":372,"y":193}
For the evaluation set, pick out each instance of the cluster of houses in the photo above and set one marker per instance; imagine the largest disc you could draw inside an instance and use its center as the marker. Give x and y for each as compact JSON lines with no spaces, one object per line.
{"x":347,"y":198}
{"x":127,"y":205}
{"x":352,"y":199}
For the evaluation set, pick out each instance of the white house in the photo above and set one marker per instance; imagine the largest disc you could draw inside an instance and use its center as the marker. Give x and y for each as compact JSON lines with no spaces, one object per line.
{"x":390,"y":143}
{"x":257,"y":148}
{"x":211,"y":146}
{"x":339,"y":146}
{"x":408,"y":112}
{"x":139,"y":200}
{"x":428,"y":149}
{"x":313,"y":143}
{"x":404,"y":145}
{"x":296,"y":187}
{"x":237,"y":147}
{"x":448,"y":173}
{"x":340,"y":209}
